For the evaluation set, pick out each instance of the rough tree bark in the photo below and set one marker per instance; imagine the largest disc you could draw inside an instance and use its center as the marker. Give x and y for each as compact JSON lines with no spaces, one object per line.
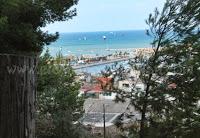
{"x":17,"y":96}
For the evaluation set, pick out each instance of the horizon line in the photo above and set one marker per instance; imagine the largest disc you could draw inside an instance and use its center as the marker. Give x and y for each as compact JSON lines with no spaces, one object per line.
{"x":101,"y":31}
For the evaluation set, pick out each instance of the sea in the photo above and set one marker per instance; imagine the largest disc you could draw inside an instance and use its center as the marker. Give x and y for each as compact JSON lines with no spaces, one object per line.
{"x":98,"y":44}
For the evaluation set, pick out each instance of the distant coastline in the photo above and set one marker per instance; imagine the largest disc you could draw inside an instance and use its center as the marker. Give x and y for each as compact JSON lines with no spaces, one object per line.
{"x":93,"y":43}
{"x":104,"y":31}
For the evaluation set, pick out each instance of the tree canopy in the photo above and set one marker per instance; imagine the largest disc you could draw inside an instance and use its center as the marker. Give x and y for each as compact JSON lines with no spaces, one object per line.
{"x":169,"y":104}
{"x":58,"y":104}
{"x":21,"y":22}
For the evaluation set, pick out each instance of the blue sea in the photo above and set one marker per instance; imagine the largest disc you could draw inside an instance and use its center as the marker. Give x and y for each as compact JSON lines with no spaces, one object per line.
{"x":99,"y":43}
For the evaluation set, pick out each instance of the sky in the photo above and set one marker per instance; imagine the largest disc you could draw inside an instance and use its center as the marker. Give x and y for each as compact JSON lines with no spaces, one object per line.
{"x":108,"y":15}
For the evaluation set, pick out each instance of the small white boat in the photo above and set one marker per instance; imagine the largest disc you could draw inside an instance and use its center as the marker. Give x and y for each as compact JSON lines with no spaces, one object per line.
{"x":104,"y":37}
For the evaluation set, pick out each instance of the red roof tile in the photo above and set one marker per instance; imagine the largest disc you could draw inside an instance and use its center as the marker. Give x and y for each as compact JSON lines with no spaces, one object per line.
{"x":97,"y":89}
{"x":104,"y":79}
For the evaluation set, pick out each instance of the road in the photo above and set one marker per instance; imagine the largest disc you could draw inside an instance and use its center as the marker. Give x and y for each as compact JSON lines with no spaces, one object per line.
{"x":100,"y":63}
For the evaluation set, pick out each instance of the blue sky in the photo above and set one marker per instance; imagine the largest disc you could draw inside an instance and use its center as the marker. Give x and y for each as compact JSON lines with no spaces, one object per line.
{"x":108,"y":15}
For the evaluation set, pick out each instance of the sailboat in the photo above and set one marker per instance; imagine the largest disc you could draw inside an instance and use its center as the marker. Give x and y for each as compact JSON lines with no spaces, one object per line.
{"x":104,"y":38}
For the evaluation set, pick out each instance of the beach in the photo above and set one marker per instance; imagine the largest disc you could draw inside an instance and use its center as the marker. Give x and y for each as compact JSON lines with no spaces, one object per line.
{"x":92,"y":51}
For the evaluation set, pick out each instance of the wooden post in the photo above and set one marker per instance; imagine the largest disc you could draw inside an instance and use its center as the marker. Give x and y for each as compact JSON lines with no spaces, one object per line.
{"x":17,"y":96}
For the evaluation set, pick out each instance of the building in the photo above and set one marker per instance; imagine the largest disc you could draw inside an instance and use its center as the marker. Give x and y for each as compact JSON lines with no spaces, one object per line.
{"x":125,"y":85}
{"x":114,"y":111}
{"x":105,"y":82}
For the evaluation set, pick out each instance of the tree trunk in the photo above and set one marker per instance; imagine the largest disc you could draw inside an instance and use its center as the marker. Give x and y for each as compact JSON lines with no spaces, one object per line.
{"x":17,"y":96}
{"x":142,"y":123}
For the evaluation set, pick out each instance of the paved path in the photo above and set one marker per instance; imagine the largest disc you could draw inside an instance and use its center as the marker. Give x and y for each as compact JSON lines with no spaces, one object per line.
{"x":100,"y":63}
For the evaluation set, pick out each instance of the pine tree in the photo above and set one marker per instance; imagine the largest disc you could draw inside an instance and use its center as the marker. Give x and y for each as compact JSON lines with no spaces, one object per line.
{"x":21,"y":22}
{"x":58,"y":104}
{"x":169,"y":102}
{"x":21,"y":41}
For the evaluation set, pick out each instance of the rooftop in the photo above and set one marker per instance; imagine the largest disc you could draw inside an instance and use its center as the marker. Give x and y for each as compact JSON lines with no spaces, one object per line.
{"x":96,"y":106}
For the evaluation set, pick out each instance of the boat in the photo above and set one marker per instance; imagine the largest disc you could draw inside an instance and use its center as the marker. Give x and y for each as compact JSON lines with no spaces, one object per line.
{"x":104,"y":37}
{"x":85,"y":38}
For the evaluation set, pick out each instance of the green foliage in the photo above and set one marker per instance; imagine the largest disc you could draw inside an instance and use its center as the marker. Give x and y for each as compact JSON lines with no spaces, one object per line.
{"x":58,"y":104}
{"x":21,"y":22}
{"x":169,"y":111}
{"x":176,"y":110}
